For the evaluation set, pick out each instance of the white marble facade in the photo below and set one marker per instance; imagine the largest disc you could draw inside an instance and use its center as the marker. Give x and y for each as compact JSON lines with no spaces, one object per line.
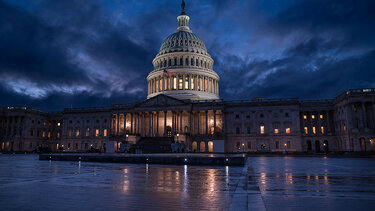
{"x":183,"y":102}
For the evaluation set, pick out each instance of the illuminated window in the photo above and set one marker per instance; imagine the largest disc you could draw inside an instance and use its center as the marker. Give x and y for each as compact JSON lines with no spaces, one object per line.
{"x":321,"y":116}
{"x":210,"y":86}
{"x":186,"y":82}
{"x":287,"y":130}
{"x":49,"y":134}
{"x":192,"y":83}
{"x":344,"y":127}
{"x":157,"y":85}
{"x":276,"y":130}
{"x":44,"y":134}
{"x":167,"y":82}
{"x":180,"y":82}
{"x":314,"y":130}
{"x":160,"y":85}
{"x":206,"y":84}
{"x":174,"y":82}
{"x":262,"y":129}
{"x":44,"y":123}
{"x":199,"y":84}
{"x":58,"y":135}
{"x":87,"y":131}
{"x":58,"y":124}
{"x":304,"y":116}
{"x":306,"y":130}
{"x":313,"y":116}
{"x":77,"y":132}
{"x":105,"y":132}
{"x":322,"y":129}
{"x":97,"y":132}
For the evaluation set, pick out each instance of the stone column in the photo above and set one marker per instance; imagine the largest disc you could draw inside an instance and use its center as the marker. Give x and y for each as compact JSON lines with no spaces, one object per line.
{"x":353,"y":115}
{"x":214,"y":122}
{"x":189,"y":82}
{"x":165,"y":124}
{"x":149,"y":124}
{"x":199,"y":119}
{"x":131,"y":123}
{"x":183,"y":82}
{"x":206,"y":122}
{"x":163,"y":83}
{"x":364,"y":115}
{"x":173,"y":123}
{"x":118,"y":124}
{"x":195,"y":83}
{"x":180,"y":122}
{"x":124,"y":124}
{"x":157,"y":123}
{"x":142,"y":124}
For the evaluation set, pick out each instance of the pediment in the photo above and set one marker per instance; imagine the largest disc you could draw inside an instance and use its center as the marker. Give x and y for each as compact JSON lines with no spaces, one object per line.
{"x":161,"y":100}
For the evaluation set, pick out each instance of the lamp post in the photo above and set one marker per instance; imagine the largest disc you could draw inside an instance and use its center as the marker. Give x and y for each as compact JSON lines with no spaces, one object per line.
{"x":285,"y":148}
{"x":243,"y":147}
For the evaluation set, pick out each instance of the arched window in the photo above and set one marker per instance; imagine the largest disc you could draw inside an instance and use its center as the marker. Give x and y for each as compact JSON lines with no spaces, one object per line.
{"x":165,"y":63}
{"x":201,"y":63}
{"x":169,"y":62}
{"x":197,"y":63}
{"x":194,"y":146}
{"x":187,"y":62}
{"x":175,"y":61}
{"x":205,"y":64}
{"x":192,"y":62}
{"x":210,"y":146}
{"x":202,"y":146}
{"x":181,"y":61}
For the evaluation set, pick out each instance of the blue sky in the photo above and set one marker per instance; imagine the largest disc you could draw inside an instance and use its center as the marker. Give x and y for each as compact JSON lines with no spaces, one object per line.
{"x":60,"y":53}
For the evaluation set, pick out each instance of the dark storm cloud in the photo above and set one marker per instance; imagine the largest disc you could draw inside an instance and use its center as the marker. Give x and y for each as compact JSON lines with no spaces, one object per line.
{"x":55,"y":54}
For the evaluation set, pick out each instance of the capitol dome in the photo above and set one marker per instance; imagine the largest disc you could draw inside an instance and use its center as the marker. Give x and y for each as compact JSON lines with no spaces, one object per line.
{"x":183,"y":69}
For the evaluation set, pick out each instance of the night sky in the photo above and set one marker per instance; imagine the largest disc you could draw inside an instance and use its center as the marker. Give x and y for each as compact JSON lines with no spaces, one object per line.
{"x":62,"y":53}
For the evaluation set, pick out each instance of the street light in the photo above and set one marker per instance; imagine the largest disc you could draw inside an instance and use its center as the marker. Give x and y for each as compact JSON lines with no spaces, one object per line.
{"x":243,"y":147}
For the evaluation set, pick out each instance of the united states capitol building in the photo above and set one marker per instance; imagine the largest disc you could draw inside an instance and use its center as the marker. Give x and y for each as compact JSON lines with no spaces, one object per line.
{"x":183,"y":106}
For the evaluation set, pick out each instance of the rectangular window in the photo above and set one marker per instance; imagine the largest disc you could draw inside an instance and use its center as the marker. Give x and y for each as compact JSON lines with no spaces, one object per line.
{"x":210,"y":86}
{"x":205,"y":84}
{"x":199,"y":84}
{"x":180,"y":83}
{"x":248,"y":130}
{"x":167,"y":82}
{"x":314,"y":130}
{"x":249,"y":145}
{"x":58,"y":135}
{"x":174,"y":82}
{"x":192,"y":83}
{"x":304,"y":117}
{"x":70,"y":132}
{"x":313,"y":116}
{"x":237,"y":130}
{"x":306,"y":130}
{"x":276,"y":130}
{"x":97,"y":132}
{"x":186,"y":82}
{"x":87,"y":131}
{"x":49,"y":134}
{"x":277,"y":144}
{"x":160,"y":85}
{"x":322,"y":129}
{"x":287,"y":130}
{"x":105,"y":132}
{"x":321,"y":116}
{"x":77,"y":132}
{"x":262,"y":129}
{"x":44,"y":134}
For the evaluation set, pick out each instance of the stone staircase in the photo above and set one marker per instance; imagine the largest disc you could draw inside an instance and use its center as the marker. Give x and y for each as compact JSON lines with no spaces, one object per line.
{"x":154,"y":145}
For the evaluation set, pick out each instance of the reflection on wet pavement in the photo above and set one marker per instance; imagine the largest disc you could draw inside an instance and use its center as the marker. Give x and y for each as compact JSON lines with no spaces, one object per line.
{"x":29,"y":184}
{"x":327,"y":183}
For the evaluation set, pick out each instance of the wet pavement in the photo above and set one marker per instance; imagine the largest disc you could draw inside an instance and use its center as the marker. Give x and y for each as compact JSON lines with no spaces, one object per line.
{"x":29,"y":184}
{"x":266,"y":183}
{"x":312,"y":183}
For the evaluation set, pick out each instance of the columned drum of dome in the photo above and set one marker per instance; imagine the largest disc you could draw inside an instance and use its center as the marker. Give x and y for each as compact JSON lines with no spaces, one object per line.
{"x":183,"y":69}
